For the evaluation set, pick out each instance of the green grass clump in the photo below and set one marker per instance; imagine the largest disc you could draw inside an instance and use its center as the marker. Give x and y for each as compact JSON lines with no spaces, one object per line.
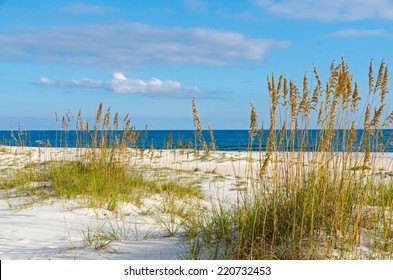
{"x":103,"y":185}
{"x":106,"y":184}
{"x":24,"y":188}
{"x":101,"y":237}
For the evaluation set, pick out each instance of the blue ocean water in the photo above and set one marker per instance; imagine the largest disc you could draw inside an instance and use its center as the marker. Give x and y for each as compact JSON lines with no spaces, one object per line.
{"x":225,"y":140}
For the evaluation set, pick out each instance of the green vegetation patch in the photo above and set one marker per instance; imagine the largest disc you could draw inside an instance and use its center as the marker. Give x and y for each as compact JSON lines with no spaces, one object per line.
{"x":107,"y":184}
{"x":103,"y":184}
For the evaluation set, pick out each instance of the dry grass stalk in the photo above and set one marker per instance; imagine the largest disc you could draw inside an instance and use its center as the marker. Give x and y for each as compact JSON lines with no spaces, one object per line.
{"x":304,"y":105}
{"x":212,"y":139}
{"x":99,"y":113}
{"x":197,"y":127}
{"x":352,"y":135}
{"x":366,"y":136}
{"x":285,"y":93}
{"x":317,"y":91}
{"x":253,"y":122}
{"x":116,"y":121}
{"x":294,"y":97}
{"x":107,"y":118}
{"x":389,"y":120}
{"x":355,"y":98}
{"x":370,"y":78}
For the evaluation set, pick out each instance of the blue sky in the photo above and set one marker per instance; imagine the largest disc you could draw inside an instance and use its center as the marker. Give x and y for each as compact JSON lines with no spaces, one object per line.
{"x":150,"y":58}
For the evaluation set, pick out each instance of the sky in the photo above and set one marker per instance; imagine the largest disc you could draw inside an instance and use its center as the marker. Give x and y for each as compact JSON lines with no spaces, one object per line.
{"x":151,"y":58}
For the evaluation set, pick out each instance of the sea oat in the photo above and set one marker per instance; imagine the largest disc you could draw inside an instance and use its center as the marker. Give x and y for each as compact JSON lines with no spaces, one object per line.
{"x":355,"y":99}
{"x":384,"y":89}
{"x":99,"y":113}
{"x":389,"y":120}
{"x":107,"y":118}
{"x":197,"y":126}
{"x":253,"y":122}
{"x":116,"y":121}
{"x":212,"y":139}
{"x":285,"y":92}
{"x":352,"y":135}
{"x":317,"y":91}
{"x":370,"y":78}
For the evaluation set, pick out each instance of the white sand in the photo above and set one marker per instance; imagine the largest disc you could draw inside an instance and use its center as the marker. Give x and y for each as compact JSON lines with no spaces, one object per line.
{"x":57,"y":229}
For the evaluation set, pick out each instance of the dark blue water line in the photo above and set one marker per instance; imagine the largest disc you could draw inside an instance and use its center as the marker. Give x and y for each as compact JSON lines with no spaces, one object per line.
{"x":226,"y":140}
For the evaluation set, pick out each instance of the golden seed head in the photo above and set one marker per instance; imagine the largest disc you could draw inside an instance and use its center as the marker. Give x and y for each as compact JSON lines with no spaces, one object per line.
{"x":107,"y":118}
{"x":116,"y":121}
{"x":99,"y":113}
{"x":253,"y":121}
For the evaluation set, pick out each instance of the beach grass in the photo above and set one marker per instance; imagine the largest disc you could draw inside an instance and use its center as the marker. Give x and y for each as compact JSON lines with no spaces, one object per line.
{"x":318,"y":203}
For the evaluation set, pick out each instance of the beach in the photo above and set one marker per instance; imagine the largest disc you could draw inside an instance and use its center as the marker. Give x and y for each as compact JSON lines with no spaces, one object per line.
{"x":54,"y":228}
{"x":63,"y":228}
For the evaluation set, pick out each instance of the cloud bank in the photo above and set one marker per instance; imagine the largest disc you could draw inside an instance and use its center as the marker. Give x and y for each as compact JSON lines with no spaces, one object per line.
{"x":333,"y":10}
{"x":122,"y":85}
{"x":124,"y":45}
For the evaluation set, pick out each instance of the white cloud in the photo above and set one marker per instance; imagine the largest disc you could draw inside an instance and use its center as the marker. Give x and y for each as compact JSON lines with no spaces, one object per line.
{"x":122,"y":85}
{"x":127,"y":44}
{"x":353,"y":33}
{"x":87,"y":83}
{"x":45,"y":82}
{"x":332,"y":10}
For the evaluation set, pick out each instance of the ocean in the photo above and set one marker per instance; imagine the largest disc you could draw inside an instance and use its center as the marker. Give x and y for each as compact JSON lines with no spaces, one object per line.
{"x":225,"y":140}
